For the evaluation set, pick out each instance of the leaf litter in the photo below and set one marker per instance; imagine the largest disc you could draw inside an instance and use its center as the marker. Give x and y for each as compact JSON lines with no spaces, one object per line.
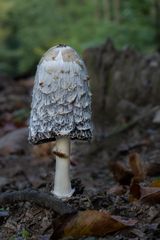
{"x":117,"y":197}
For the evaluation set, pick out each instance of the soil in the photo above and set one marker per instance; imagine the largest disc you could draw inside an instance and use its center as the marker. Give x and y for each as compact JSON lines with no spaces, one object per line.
{"x":97,"y":185}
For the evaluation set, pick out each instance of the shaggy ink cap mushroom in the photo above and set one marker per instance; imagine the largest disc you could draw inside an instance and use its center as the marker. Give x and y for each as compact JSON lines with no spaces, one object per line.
{"x":61,"y":109}
{"x":61,"y":101}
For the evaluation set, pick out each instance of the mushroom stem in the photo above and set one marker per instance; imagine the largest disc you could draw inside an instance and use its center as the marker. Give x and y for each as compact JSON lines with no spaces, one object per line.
{"x":62,"y":184}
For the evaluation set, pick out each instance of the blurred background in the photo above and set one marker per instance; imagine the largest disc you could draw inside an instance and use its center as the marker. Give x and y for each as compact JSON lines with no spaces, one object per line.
{"x":119,"y":41}
{"x":28,"y":28}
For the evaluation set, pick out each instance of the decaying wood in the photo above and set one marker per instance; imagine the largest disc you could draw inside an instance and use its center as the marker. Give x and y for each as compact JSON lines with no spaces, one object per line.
{"x":42,"y":199}
{"x":118,"y":76}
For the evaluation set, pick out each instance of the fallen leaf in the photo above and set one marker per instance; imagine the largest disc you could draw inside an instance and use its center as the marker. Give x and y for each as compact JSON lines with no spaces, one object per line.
{"x":150,"y":195}
{"x":91,"y":223}
{"x":136,"y":166}
{"x":121,"y":173}
{"x":117,"y":190}
{"x":155,"y":183}
{"x":135,"y":190}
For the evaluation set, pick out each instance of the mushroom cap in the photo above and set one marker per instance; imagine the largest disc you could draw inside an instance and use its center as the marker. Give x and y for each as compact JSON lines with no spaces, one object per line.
{"x":61,"y":100}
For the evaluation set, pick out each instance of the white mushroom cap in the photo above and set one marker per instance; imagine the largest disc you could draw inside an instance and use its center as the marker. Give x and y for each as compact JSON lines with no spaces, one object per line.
{"x":61,"y":101}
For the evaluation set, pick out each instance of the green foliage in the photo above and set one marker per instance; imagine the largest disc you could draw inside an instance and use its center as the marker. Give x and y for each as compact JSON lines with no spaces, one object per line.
{"x":25,"y":234}
{"x":28,"y":28}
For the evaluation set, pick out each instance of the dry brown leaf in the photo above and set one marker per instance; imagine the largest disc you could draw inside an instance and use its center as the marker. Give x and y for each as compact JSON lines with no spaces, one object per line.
{"x":136,"y":166}
{"x":91,"y":223}
{"x":155,"y":183}
{"x":135,"y":190}
{"x":118,"y":190}
{"x":150,"y":195}
{"x":121,"y":173}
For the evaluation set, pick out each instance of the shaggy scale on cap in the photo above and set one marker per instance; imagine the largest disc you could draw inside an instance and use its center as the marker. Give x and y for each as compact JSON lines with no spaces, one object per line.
{"x":61,"y":101}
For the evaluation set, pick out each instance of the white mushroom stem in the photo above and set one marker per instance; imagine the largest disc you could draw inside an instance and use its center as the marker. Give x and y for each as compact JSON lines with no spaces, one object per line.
{"x":62,"y":183}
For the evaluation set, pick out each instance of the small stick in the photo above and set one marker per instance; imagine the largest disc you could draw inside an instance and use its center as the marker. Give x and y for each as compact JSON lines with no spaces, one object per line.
{"x":42,"y":199}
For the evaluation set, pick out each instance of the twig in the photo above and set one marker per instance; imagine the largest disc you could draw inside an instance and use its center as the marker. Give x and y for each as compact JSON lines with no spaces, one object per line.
{"x":42,"y":199}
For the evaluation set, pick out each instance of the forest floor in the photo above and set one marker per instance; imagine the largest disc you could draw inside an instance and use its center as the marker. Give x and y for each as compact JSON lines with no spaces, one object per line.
{"x":116,"y":174}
